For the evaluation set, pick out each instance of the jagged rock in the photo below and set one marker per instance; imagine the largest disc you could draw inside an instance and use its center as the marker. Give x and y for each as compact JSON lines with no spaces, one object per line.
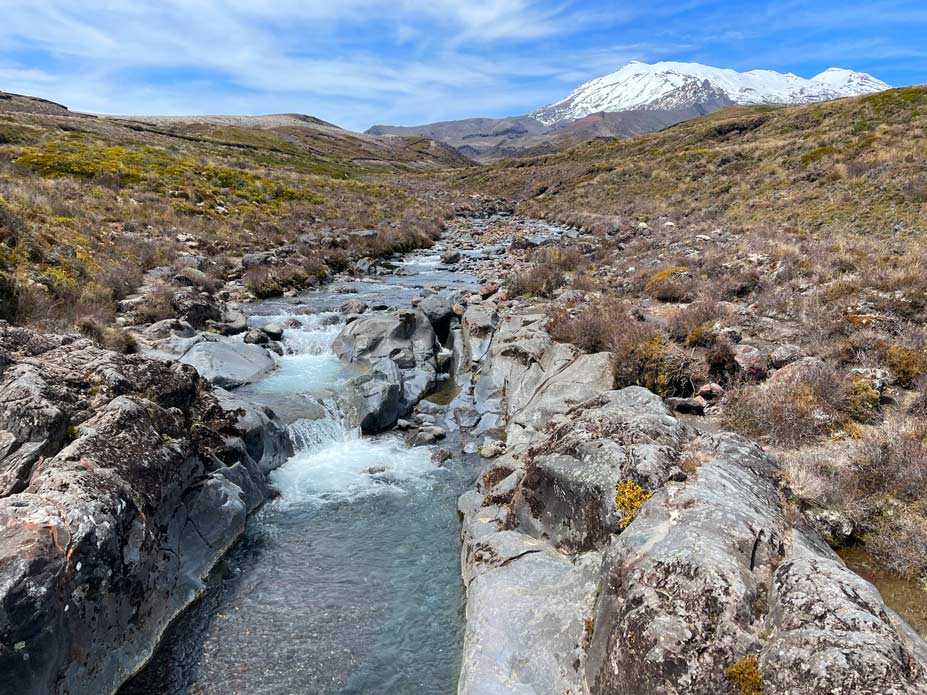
{"x":492,"y":448}
{"x":711,"y":392}
{"x":406,"y":338}
{"x":355,"y":306}
{"x":785,"y":354}
{"x":439,"y":310}
{"x":567,"y":494}
{"x":196,"y":308}
{"x":374,"y":399}
{"x":530,"y":378}
{"x":752,"y":361}
{"x":108,"y":535}
{"x":708,"y":570}
{"x":256,"y":337}
{"x":254,"y":260}
{"x":478,"y":326}
{"x":688,"y":406}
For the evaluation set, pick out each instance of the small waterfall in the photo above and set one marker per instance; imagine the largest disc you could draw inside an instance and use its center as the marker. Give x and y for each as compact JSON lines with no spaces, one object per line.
{"x":309,"y":435}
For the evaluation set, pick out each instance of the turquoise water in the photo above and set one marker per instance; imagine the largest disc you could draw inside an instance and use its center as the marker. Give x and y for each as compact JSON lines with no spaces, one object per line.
{"x":349,"y":581}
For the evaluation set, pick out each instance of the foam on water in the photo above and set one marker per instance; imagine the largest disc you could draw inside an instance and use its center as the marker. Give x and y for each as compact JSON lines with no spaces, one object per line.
{"x":308,"y":365}
{"x":351,"y":467}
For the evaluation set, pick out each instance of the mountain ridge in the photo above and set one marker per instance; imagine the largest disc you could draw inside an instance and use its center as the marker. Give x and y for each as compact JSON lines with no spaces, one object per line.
{"x":636,"y":99}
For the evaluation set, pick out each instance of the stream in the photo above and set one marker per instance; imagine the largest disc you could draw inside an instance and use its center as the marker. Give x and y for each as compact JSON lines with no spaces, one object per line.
{"x":349,"y":581}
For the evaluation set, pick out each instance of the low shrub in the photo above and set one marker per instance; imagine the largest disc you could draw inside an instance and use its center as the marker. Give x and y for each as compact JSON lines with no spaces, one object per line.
{"x":565,"y":259}
{"x":671,"y":285}
{"x":592,"y":328}
{"x":814,"y":402}
{"x":644,"y":356}
{"x":906,"y":364}
{"x":694,"y":324}
{"x":8,"y":297}
{"x":536,"y":281}
{"x":110,"y":337}
{"x":156,"y":306}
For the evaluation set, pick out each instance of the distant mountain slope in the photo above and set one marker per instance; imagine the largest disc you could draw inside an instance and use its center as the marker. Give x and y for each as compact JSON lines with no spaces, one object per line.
{"x":305,"y":136}
{"x":639,"y":98}
{"x":668,"y":85}
{"x":308,"y":143}
{"x":18,"y":103}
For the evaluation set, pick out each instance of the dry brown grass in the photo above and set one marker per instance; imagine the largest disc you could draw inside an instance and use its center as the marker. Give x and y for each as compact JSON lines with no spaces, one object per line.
{"x":87,"y":205}
{"x":814,"y":402}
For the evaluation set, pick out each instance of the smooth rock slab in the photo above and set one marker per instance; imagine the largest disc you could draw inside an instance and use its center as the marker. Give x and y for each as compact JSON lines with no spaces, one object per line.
{"x":227,"y":364}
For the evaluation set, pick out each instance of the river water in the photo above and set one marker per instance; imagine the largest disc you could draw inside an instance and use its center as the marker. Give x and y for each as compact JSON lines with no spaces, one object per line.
{"x":349,"y":581}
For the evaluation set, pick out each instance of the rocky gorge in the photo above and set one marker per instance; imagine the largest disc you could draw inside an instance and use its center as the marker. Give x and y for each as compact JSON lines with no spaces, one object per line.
{"x":606,"y":545}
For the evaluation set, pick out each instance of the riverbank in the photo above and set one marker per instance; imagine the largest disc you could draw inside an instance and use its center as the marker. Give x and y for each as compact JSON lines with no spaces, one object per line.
{"x":592,"y":502}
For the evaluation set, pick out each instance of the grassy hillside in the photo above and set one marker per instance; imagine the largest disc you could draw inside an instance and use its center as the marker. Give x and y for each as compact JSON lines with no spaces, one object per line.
{"x":802,"y":169}
{"x":87,"y":204}
{"x":732,"y":245}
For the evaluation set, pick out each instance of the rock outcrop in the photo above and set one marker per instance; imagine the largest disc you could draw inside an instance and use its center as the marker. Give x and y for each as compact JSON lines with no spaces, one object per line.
{"x":612,"y":549}
{"x":405,"y":338}
{"x":122,"y":481}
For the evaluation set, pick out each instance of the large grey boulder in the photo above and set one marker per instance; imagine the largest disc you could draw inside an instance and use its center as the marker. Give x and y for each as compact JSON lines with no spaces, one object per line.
{"x":478,"y":325}
{"x":144,"y":480}
{"x":373,"y":400}
{"x":406,"y":338}
{"x":711,"y":572}
{"x":519,"y":640}
{"x":527,"y":378}
{"x":229,"y":364}
{"x":571,"y":591}
{"x":567,"y":494}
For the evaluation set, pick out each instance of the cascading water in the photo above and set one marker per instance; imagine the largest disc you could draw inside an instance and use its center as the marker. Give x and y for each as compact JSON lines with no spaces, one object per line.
{"x":349,"y":581}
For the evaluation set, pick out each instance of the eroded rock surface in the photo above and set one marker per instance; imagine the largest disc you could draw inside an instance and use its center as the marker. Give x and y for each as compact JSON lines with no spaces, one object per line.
{"x":124,"y":480}
{"x":570,"y":589}
{"x":405,"y":338}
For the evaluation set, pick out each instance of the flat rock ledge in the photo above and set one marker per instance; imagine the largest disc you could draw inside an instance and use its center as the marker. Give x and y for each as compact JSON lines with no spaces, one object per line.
{"x":123,"y":480}
{"x":569,"y":592}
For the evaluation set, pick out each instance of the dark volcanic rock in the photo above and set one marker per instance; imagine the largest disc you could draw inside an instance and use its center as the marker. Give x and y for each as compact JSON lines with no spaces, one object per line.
{"x":124,"y":480}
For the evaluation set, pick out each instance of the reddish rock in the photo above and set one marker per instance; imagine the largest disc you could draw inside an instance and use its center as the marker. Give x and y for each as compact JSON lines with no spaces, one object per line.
{"x":752,"y":361}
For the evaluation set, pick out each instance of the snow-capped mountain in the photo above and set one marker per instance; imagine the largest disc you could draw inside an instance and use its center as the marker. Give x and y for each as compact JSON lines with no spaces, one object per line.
{"x":667,"y":86}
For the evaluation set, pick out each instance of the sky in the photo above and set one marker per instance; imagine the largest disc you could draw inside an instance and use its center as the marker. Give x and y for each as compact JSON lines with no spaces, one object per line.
{"x":360,"y":62}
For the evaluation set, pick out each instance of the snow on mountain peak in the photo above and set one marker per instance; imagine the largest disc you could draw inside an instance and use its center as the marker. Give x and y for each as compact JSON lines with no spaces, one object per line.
{"x":669,"y":85}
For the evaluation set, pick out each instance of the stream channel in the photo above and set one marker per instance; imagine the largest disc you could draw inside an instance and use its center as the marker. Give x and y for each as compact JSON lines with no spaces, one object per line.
{"x":349,"y":581}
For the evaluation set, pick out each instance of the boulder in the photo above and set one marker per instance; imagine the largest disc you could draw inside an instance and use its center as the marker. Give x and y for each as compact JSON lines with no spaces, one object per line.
{"x":256,"y":337}
{"x":450,"y":257}
{"x":274,"y":331}
{"x":144,"y":480}
{"x":785,"y":354}
{"x":752,"y":361}
{"x":195,"y":307}
{"x":439,"y":309}
{"x":354,"y":306}
{"x":406,"y":338}
{"x":229,"y":364}
{"x":373,"y":400}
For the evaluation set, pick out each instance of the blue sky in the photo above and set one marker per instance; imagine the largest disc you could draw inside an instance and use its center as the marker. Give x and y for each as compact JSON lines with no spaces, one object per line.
{"x":359,"y":62}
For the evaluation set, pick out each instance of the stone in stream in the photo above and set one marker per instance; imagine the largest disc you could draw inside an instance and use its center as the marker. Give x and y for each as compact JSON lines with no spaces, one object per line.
{"x":450,"y":256}
{"x":229,"y":364}
{"x":256,"y":337}
{"x":405,"y":338}
{"x":273,"y":330}
{"x":372,"y":401}
{"x":143,"y":480}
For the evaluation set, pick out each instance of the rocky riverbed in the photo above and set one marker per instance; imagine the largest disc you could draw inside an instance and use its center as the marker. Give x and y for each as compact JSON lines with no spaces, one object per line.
{"x":607,"y":546}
